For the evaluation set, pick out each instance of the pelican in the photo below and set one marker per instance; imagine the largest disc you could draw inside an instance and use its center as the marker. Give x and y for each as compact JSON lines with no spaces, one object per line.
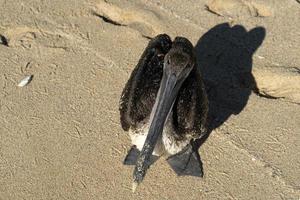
{"x":164,"y":108}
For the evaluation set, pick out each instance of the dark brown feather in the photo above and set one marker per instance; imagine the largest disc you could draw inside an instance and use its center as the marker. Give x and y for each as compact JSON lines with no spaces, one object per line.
{"x":191,"y":107}
{"x":138,"y":96}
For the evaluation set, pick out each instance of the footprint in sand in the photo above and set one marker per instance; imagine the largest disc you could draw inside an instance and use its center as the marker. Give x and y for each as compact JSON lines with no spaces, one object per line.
{"x":20,"y":36}
{"x":147,"y":22}
{"x":29,"y":38}
{"x":238,"y":8}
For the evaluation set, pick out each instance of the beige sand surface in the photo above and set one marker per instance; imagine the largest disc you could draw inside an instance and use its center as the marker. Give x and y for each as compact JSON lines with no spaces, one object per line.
{"x":60,"y":136}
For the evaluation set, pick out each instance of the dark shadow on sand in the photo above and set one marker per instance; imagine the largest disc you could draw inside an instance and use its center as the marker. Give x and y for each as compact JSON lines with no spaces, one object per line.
{"x":224,"y":55}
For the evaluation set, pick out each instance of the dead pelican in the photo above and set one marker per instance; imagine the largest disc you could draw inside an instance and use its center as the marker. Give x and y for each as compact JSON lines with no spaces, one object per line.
{"x":164,"y":107}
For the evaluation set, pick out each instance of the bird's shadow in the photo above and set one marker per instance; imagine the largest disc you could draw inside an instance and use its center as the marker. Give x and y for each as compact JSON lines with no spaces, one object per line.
{"x":224,"y":55}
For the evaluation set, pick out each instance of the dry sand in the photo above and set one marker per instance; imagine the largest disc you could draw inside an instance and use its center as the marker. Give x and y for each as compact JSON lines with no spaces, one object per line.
{"x":60,"y":136}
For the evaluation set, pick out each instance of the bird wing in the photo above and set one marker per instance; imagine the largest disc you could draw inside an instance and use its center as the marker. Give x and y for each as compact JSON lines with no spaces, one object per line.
{"x":138,"y":96}
{"x":191,"y":107}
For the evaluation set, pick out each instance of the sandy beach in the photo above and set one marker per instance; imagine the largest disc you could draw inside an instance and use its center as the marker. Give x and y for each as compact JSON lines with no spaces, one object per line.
{"x":60,"y":135}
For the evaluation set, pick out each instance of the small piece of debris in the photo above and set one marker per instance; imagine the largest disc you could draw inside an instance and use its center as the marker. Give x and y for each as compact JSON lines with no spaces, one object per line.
{"x":260,"y":57}
{"x":3,"y":40}
{"x":25,"y":81}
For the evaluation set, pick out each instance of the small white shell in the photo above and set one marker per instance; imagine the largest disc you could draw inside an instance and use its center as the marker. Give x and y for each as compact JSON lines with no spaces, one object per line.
{"x":25,"y":80}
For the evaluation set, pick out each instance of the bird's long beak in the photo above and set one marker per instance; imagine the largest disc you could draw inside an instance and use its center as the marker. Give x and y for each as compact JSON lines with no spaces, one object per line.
{"x":167,"y":93}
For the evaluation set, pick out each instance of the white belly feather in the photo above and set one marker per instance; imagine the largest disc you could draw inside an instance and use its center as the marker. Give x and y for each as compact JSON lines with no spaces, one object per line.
{"x":166,"y":142}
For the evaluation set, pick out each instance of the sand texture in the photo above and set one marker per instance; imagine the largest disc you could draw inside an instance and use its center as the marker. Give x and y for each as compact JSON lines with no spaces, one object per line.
{"x":60,"y":135}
